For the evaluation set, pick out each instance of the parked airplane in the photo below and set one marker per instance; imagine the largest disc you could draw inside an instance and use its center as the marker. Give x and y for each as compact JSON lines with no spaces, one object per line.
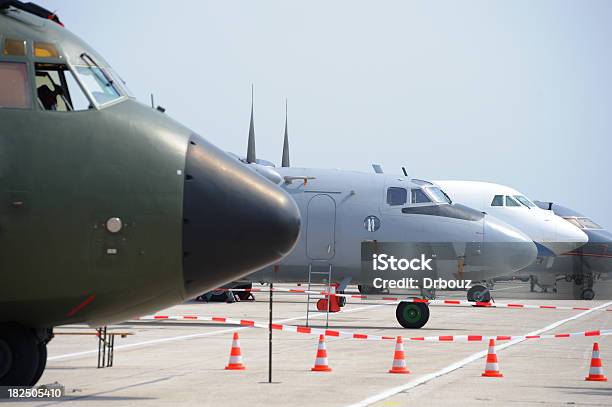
{"x":551,"y":233}
{"x":108,"y":209}
{"x":341,"y":209}
{"x":583,"y":265}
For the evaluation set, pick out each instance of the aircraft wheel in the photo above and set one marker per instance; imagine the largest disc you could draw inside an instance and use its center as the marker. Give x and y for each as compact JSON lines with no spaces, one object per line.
{"x":19,"y":356}
{"x":479,"y":293}
{"x":412,"y":315}
{"x":42,"y":362}
{"x":244,"y":295}
{"x":214,"y":296}
{"x":6,"y":358}
{"x":366,"y":289}
{"x":588,"y":294}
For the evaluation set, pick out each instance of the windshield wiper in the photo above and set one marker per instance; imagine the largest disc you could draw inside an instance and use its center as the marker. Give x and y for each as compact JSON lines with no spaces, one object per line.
{"x":85,"y":57}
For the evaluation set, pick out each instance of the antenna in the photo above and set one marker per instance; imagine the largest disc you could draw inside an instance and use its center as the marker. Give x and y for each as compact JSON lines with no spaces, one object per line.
{"x":404,"y":171}
{"x":152,"y":101}
{"x":285,"y":159}
{"x":251,"y":156}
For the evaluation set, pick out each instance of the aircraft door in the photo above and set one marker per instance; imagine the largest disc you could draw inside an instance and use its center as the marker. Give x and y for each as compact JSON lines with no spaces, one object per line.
{"x":321,"y":228}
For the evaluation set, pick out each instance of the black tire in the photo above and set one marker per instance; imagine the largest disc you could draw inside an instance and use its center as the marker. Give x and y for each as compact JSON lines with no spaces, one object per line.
{"x":217,"y":296}
{"x":341,"y":301}
{"x":22,"y":366}
{"x":366,"y":289}
{"x":479,"y":293}
{"x":244,"y":295}
{"x":42,"y":362}
{"x":412,"y":315}
{"x":588,"y":294}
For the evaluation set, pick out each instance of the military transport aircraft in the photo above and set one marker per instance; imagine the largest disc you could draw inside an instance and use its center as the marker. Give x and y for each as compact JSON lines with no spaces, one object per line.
{"x":341,"y":209}
{"x":109,"y":209}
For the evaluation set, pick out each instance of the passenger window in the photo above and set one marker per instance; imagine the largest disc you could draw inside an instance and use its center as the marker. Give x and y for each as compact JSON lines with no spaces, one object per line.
{"x":511,"y":202}
{"x":418,"y":196}
{"x":498,"y":200}
{"x":397,"y":196}
{"x":57,"y":89}
{"x":14,"y":47}
{"x":15,"y":85}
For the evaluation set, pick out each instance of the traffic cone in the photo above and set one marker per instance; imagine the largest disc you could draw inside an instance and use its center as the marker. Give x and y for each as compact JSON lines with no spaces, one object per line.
{"x":235,"y":359}
{"x":491,"y":368}
{"x":321,"y":360}
{"x":399,"y":361}
{"x":596,"y":373}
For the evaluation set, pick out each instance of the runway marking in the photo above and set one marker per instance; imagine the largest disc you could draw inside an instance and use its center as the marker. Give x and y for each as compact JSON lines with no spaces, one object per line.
{"x":463,"y":362}
{"x":199,"y":335}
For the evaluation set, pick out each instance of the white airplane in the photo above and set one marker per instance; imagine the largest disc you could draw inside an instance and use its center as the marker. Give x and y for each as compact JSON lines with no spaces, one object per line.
{"x":552,"y":234}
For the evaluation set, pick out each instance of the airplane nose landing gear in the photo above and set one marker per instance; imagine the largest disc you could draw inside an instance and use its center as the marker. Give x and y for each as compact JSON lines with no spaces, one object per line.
{"x":588,"y":294}
{"x":23,"y":356}
{"x":412,"y":315}
{"x":479,"y":293}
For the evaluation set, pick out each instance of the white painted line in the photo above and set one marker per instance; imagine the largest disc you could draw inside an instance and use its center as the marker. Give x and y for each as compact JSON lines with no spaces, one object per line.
{"x":428,"y":377}
{"x":199,"y":335}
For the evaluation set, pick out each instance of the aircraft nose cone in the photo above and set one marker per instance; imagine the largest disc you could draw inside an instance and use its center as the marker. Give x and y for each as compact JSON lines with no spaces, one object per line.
{"x":512,"y":249}
{"x":235,"y":221}
{"x":567,"y":237}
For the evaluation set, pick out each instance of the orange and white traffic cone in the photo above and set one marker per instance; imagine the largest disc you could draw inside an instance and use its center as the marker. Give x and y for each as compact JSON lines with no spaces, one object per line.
{"x":492,"y":368}
{"x":235,"y":359}
{"x":399,"y":360}
{"x":321,"y":360}
{"x":596,"y":373}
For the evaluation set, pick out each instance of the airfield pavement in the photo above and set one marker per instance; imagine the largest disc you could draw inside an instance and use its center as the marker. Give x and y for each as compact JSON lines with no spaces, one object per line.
{"x":170,"y":363}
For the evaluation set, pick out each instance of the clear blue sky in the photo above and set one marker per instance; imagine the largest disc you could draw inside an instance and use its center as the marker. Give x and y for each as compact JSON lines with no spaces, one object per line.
{"x":514,"y":92}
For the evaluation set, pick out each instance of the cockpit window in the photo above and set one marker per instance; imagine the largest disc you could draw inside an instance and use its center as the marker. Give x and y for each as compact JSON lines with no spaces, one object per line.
{"x":418,"y":196}
{"x":45,"y":50}
{"x":582,"y":223}
{"x":396,"y":196}
{"x":99,"y":85}
{"x":588,"y":223}
{"x":57,"y":90}
{"x":498,"y":200}
{"x":437,"y":195}
{"x":119,"y":83}
{"x":524,"y":201}
{"x":14,"y":47}
{"x":511,"y":202}
{"x":14,"y":85}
